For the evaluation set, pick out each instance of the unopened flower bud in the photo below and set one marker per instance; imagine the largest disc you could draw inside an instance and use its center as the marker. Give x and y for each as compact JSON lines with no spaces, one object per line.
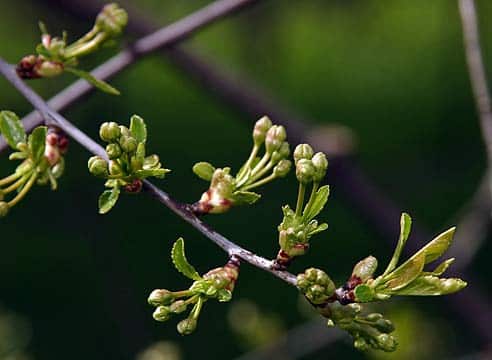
{"x":282,"y":168}
{"x":275,"y":136}
{"x":386,"y":342}
{"x":115,"y":168}
{"x":316,"y":285}
{"x":49,"y":68}
{"x":305,"y":171}
{"x":365,"y":268}
{"x":160,"y":297}
{"x":112,"y":19}
{"x":98,"y":166}
{"x":113,"y":150}
{"x":58,"y":169}
{"x":320,"y":164}
{"x":260,"y":130}
{"x":128,"y":144}
{"x":4,"y":208}
{"x":178,"y":306}
{"x":303,"y":151}
{"x":151,"y":162}
{"x":109,"y":131}
{"x":281,"y":153}
{"x":187,"y":326}
{"x":161,"y":313}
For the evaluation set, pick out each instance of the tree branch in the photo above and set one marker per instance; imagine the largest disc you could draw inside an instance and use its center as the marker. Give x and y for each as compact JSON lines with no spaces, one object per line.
{"x":182,"y":210}
{"x":163,"y":37}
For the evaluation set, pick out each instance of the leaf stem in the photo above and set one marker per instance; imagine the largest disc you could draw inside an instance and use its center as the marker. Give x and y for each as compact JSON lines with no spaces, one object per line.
{"x":15,"y":185}
{"x":8,"y":179}
{"x":311,"y":197}
{"x":247,"y":164}
{"x":85,"y":48}
{"x":260,"y":182}
{"x":300,"y":198}
{"x":24,"y":190}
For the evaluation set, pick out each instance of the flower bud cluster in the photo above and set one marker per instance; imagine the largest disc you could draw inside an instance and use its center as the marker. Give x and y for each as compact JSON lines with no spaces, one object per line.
{"x":216,"y":284}
{"x":42,"y":159}
{"x":128,"y":164}
{"x":54,"y":55}
{"x":227,"y":190}
{"x":316,"y":285}
{"x":298,"y":226}
{"x":369,"y":331}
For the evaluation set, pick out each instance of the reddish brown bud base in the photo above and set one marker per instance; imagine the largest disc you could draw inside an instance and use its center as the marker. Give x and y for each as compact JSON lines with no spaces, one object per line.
{"x":134,"y":187}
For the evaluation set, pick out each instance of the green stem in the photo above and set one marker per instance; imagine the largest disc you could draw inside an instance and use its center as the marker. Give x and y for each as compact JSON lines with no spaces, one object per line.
{"x":260,"y":182}
{"x":300,"y":198}
{"x":85,"y":48}
{"x":88,"y":36}
{"x":197,"y":308}
{"x":16,"y":185}
{"x":8,"y":179}
{"x":262,"y":163}
{"x":183,"y":293}
{"x":311,"y":197}
{"x":24,"y":190}
{"x":248,"y":162}
{"x":262,"y":172}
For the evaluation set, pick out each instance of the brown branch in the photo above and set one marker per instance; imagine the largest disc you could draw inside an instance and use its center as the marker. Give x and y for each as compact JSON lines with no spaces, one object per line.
{"x":166,"y":36}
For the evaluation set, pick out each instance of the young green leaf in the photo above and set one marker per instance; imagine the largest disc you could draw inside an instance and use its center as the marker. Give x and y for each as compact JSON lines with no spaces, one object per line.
{"x":108,"y":199}
{"x":405,"y":273}
{"x":428,"y":285}
{"x":440,"y":269}
{"x":435,"y":248}
{"x":204,"y":170}
{"x":12,"y":129}
{"x":100,"y":84}
{"x":245,"y":197}
{"x":364,"y":293}
{"x":37,"y":143}
{"x":138,"y":129}
{"x":181,"y":263}
{"x":318,"y":203}
{"x":405,"y":227}
{"x":158,"y":173}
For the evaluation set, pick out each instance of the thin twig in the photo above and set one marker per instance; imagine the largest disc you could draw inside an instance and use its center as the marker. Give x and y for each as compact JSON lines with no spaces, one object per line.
{"x":166,"y":36}
{"x":182,"y":210}
{"x":476,"y":70}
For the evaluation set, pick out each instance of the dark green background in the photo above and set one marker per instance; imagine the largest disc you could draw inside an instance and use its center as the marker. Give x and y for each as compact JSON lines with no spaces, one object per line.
{"x":392,"y":71}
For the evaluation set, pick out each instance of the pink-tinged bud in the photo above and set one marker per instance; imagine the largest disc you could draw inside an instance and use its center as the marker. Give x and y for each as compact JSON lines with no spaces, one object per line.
{"x":49,"y":68}
{"x":260,"y":130}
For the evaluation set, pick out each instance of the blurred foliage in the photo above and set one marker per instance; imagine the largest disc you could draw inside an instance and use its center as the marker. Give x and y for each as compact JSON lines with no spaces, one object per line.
{"x":394,"y":72}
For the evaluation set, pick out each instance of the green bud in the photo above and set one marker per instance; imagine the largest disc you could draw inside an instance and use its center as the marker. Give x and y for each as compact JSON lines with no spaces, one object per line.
{"x":178,"y":306}
{"x":49,"y":69}
{"x":109,"y":131}
{"x":281,"y":153}
{"x":386,"y":342}
{"x":316,"y":285}
{"x":303,"y":151}
{"x":260,"y":130}
{"x":365,"y":268}
{"x":275,"y":136}
{"x":151,"y":162}
{"x":282,"y":168}
{"x":4,"y":208}
{"x":160,"y":297}
{"x":161,"y":313}
{"x":305,"y":171}
{"x":384,"y":325}
{"x":113,"y":150}
{"x":115,"y":168}
{"x":187,"y":326}
{"x":128,"y":143}
{"x":125,"y":131}
{"x":112,"y":19}
{"x":361,"y":344}
{"x":320,"y":164}
{"x":58,"y":169}
{"x":98,"y":166}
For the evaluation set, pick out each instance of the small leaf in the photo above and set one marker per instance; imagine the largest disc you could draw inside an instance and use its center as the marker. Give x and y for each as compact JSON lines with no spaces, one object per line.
{"x":204,"y":170}
{"x":405,"y":227}
{"x":364,"y":293}
{"x":245,"y":197}
{"x":405,"y":273}
{"x":318,"y":229}
{"x":158,"y":173}
{"x":108,"y":199}
{"x":437,"y":246}
{"x":138,"y":129}
{"x":180,"y":262}
{"x":440,"y":269}
{"x":12,"y":129}
{"x":100,"y":84}
{"x":428,"y":285}
{"x":37,"y":143}
{"x":317,"y":204}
